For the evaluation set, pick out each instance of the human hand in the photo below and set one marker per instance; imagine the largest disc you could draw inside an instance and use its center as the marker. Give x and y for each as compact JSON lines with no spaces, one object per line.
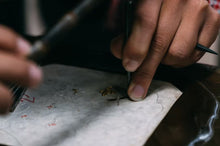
{"x":14,"y":67}
{"x":165,"y":31}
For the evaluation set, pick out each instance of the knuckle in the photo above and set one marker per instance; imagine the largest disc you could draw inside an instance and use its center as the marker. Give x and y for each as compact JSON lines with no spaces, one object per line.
{"x":178,"y":54}
{"x":158,"y":44}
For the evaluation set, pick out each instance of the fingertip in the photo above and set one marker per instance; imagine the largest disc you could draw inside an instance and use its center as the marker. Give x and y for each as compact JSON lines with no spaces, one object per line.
{"x":35,"y":75}
{"x":136,"y":92}
{"x":23,"y":46}
{"x":130,"y":65}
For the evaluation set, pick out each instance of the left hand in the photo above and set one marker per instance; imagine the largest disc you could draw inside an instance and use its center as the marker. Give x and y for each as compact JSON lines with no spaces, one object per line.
{"x":14,"y":67}
{"x":165,"y":31}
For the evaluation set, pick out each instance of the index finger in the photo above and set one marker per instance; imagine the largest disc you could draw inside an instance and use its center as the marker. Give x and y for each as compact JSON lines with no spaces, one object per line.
{"x":142,"y":78}
{"x":162,"y":38}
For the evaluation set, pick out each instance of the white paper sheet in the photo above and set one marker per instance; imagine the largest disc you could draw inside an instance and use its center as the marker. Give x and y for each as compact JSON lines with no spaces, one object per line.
{"x":67,"y":109}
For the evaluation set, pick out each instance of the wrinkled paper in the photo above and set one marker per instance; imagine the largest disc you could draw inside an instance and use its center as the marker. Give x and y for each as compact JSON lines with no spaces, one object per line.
{"x":68,"y":109}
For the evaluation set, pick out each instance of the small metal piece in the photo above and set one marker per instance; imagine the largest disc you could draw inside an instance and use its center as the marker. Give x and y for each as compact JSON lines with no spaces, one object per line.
{"x":205,"y":49}
{"x":128,"y":25}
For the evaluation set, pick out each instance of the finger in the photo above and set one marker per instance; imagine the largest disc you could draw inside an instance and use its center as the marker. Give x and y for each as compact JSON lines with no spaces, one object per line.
{"x":208,"y":33}
{"x":210,"y":29}
{"x":116,"y":46}
{"x":12,"y":42}
{"x":5,"y":99}
{"x":186,"y":38}
{"x":169,"y":21}
{"x":18,"y":70}
{"x":142,"y":32}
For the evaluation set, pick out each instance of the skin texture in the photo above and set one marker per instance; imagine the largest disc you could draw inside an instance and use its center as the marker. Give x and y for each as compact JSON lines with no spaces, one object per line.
{"x":14,"y":67}
{"x":165,"y":31}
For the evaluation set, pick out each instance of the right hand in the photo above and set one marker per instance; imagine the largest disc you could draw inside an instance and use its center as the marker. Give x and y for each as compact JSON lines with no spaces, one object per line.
{"x":165,"y":31}
{"x":14,"y":67}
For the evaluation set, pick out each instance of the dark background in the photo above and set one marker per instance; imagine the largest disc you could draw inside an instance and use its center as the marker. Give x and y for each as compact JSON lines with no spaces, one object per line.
{"x":87,"y":45}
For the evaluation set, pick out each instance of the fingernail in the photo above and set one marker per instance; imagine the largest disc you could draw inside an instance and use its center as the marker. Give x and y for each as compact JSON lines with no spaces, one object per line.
{"x":23,"y":46}
{"x":131,"y":65}
{"x":35,"y":75}
{"x":136,"y":92}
